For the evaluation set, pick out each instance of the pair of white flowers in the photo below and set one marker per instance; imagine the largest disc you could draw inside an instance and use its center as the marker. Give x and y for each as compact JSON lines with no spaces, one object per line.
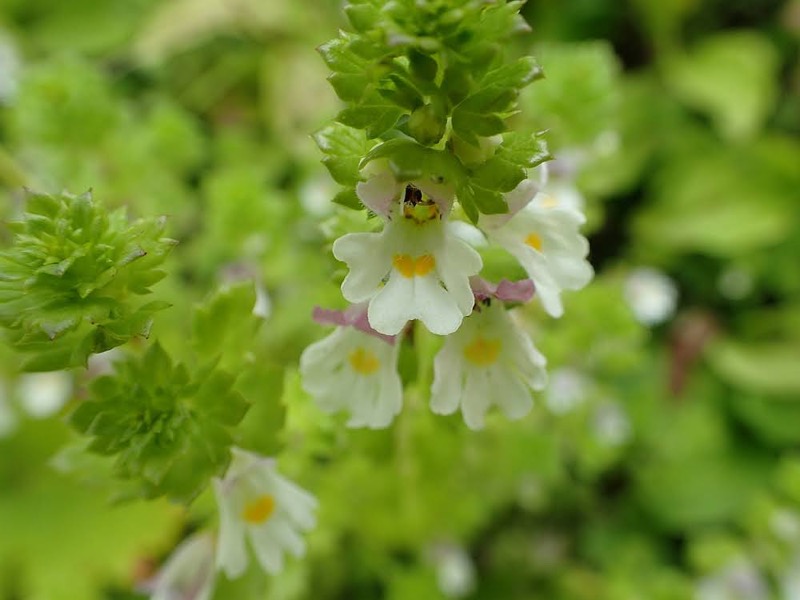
{"x":420,"y":267}
{"x":261,"y":513}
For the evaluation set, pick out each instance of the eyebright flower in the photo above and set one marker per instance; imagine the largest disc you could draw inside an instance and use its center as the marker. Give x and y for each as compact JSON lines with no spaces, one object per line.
{"x":188,"y":574}
{"x":256,"y":503}
{"x":487,"y":361}
{"x":416,"y":268}
{"x":543,"y":236}
{"x":354,"y":369}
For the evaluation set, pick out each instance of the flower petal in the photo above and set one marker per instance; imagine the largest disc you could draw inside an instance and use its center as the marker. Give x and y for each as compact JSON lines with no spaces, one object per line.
{"x":365,"y":255}
{"x":231,"y":550}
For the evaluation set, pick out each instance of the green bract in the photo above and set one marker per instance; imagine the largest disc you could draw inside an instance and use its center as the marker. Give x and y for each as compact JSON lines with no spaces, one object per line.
{"x":169,"y":429}
{"x":70,"y":281}
{"x":430,"y":81}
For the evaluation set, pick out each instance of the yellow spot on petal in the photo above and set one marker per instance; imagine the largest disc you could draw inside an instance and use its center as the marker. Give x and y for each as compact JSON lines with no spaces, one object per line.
{"x":404,"y":264}
{"x":424,"y":265}
{"x":259,"y":510}
{"x":482,"y":352}
{"x":549,"y":202}
{"x":363,"y":361}
{"x":534,"y":241}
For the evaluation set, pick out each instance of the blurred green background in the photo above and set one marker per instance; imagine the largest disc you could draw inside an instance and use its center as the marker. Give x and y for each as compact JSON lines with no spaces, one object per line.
{"x":663,"y":462}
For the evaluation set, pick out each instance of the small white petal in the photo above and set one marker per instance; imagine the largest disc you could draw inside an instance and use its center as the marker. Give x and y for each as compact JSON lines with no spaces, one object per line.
{"x":393,"y":306}
{"x":365,"y":255}
{"x":436,"y":308}
{"x":447,"y":380}
{"x":477,"y":398}
{"x":379,"y":192}
{"x":267,"y":551}
{"x":512,"y":395}
{"x":231,"y":550}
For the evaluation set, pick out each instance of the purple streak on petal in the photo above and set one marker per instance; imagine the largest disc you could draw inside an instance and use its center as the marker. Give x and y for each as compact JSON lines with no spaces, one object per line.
{"x":515,"y":291}
{"x":354,"y":316}
{"x":505,"y":291}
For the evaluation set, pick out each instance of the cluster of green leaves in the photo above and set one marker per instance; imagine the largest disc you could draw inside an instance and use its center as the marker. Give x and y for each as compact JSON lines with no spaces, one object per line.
{"x":69,"y":284}
{"x":427,"y":85}
{"x":169,"y":429}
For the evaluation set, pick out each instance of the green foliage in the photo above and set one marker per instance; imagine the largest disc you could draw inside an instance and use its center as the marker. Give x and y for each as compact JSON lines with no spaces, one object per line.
{"x":660,"y":459}
{"x":426,"y":78}
{"x":169,"y":429}
{"x":68,"y":285}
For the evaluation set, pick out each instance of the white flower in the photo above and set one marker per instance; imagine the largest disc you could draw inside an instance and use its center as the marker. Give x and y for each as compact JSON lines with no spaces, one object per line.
{"x":353,"y":370}
{"x":188,"y":574}
{"x":739,"y":580}
{"x":488,"y":361}
{"x":455,"y":572}
{"x":651,"y":295}
{"x":258,"y":505}
{"x":543,"y":235}
{"x":43,"y":394}
{"x":416,"y":268}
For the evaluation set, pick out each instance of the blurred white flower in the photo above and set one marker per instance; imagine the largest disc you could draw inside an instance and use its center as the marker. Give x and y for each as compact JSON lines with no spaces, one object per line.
{"x":611,"y":424}
{"x":566,"y":390}
{"x":544,"y":236}
{"x":188,"y":573}
{"x":789,"y":581}
{"x":489,"y":360}
{"x":455,"y":571}
{"x":43,"y":394}
{"x":258,"y":505}
{"x":651,"y":295}
{"x":739,"y":580}
{"x":354,"y":370}
{"x":735,"y":283}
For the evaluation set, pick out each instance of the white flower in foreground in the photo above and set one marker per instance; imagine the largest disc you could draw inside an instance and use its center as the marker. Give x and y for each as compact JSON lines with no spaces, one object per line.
{"x":257,"y":504}
{"x":353,"y":370}
{"x":189,"y":572}
{"x":416,"y":268}
{"x":543,"y":235}
{"x":488,"y":361}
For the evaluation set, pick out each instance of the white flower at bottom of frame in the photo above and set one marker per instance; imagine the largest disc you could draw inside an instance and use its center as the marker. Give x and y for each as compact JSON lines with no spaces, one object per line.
{"x":355,"y":371}
{"x":410,"y":270}
{"x":188,"y":573}
{"x":257,"y":504}
{"x":488,"y":361}
{"x":544,"y":237}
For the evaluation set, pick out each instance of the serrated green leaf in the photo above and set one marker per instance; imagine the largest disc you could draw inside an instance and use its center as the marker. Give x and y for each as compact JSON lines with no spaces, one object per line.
{"x":515,"y":75}
{"x":497,"y":174}
{"x":347,"y":197}
{"x":343,"y":148}
{"x":376,"y":115}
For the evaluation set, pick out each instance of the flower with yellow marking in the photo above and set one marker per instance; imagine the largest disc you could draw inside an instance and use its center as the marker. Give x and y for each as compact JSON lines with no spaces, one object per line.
{"x":544,"y":236}
{"x":489,"y":361}
{"x":259,"y":511}
{"x":354,"y":371}
{"x":410,"y":270}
